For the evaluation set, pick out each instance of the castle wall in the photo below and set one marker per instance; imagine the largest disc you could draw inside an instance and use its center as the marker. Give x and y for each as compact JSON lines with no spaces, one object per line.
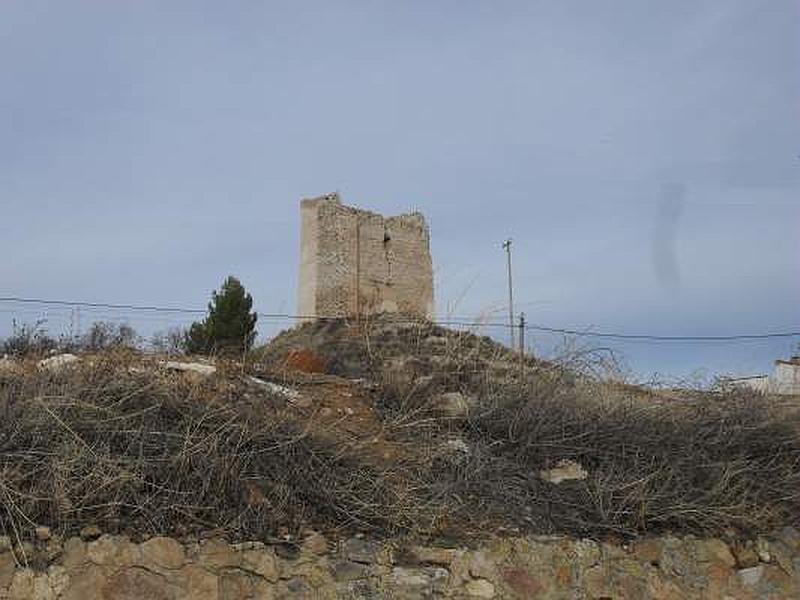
{"x":358,"y":262}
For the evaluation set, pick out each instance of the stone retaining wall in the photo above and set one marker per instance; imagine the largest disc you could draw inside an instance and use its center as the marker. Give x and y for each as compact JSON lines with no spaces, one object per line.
{"x":110,"y":567}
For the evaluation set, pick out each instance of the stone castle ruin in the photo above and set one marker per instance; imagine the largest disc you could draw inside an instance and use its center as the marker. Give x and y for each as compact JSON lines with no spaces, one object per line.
{"x":355,"y":262}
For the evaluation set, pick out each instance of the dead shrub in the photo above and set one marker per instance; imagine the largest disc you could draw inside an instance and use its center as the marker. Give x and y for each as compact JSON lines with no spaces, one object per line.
{"x":707,"y":465}
{"x":120,"y":443}
{"x":696,"y":463}
{"x":136,"y":452}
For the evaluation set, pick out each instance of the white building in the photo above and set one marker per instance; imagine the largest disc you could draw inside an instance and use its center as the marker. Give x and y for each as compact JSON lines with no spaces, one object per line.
{"x":785,"y":379}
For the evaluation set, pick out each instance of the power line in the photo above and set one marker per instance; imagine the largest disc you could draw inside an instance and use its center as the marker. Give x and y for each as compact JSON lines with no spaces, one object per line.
{"x":452,"y":321}
{"x":197,"y":311}
{"x":99,"y":305}
{"x":668,"y":338}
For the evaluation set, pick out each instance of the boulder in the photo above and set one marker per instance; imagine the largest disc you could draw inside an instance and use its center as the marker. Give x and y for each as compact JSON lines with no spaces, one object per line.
{"x":190,"y":367}
{"x":262,"y":562}
{"x":714,"y":550}
{"x":346,"y":570}
{"x":746,"y":554}
{"x":216,"y":554}
{"x":163,"y":552}
{"x":457,"y":445}
{"x":107,"y":550}
{"x":57,"y":362}
{"x":315,"y":543}
{"x":480,"y":588}
{"x":8,"y":566}
{"x":412,"y":578}
{"x":137,"y":583}
{"x":481,"y":565}
{"x":363,"y":551}
{"x":292,"y":396}
{"x":431,"y":555}
{"x":74,"y":553}
{"x":565,"y":470}
{"x":90,"y":532}
{"x":751,"y":575}
{"x":452,"y":404}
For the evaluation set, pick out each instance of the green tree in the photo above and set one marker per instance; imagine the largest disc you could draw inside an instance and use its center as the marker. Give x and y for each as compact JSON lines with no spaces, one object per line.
{"x":230,"y":327}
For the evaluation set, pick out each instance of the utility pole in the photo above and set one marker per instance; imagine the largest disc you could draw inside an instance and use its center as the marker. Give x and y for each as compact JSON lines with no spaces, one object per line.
{"x":358,"y":271}
{"x":522,"y":344}
{"x":507,"y":247}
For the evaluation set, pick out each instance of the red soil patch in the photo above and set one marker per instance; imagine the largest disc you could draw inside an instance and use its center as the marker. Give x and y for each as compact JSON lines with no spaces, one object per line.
{"x":305,"y":361}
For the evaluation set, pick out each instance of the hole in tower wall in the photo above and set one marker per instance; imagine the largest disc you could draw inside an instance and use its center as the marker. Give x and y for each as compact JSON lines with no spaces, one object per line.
{"x":387,"y":255}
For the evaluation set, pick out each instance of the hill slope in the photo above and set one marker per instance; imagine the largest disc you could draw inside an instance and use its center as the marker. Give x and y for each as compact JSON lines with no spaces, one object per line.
{"x":411,"y":429}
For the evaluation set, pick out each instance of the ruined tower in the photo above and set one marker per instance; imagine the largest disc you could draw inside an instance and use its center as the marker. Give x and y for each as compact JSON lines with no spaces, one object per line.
{"x":356,"y":262}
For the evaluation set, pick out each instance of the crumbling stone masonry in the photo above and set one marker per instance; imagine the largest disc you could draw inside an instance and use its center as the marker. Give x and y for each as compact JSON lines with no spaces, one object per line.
{"x":356,"y":262}
{"x":114,"y":567}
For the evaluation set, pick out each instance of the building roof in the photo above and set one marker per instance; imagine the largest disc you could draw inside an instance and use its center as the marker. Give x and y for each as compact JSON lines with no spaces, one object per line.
{"x":795,"y":360}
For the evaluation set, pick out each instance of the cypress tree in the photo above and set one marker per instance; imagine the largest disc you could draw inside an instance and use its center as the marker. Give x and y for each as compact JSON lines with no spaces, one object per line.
{"x":230,"y":327}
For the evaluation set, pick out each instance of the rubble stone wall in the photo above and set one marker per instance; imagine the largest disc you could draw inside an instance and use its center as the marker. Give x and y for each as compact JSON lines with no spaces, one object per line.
{"x":358,"y":262}
{"x":110,"y":567}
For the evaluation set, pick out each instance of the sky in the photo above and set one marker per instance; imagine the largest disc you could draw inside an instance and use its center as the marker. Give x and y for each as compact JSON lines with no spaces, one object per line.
{"x":644,"y":156}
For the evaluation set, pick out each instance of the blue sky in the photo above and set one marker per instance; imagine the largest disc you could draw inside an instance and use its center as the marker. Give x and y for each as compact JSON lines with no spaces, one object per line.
{"x":643,"y":155}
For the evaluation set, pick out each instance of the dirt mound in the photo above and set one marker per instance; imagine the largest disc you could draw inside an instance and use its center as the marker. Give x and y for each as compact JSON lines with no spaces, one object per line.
{"x":402,"y":348}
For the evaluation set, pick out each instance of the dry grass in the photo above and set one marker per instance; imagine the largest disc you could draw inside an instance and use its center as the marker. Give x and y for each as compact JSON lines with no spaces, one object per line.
{"x":696,"y":461}
{"x":701,"y":467}
{"x":120,"y":443}
{"x":150,"y":452}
